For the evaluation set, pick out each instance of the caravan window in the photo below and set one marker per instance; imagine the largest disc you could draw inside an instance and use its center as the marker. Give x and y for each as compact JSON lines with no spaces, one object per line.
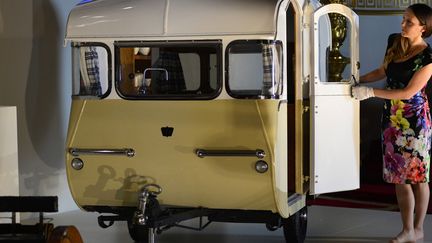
{"x":254,"y":69}
{"x":91,"y":70}
{"x":168,"y":70}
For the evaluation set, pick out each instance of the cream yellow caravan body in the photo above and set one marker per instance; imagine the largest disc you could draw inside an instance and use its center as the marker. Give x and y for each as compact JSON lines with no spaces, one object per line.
{"x":217,"y":106}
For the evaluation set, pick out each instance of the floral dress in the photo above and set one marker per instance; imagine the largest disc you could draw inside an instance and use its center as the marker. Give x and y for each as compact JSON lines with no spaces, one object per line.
{"x":406,"y":126}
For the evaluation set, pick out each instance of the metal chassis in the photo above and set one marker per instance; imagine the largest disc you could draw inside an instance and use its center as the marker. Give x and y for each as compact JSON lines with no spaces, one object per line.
{"x":172,"y":216}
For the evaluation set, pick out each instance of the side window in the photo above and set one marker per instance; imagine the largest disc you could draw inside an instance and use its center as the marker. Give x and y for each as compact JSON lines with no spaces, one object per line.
{"x":91,"y":70}
{"x":254,"y":69}
{"x":154,"y":70}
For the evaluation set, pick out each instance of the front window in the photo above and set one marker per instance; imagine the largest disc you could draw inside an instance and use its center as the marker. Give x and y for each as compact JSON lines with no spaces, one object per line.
{"x":254,"y":69}
{"x":168,"y":70}
{"x":91,"y":70}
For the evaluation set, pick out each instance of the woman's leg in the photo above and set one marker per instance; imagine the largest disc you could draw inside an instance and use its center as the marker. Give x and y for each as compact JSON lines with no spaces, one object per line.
{"x":406,"y":202}
{"x":421,"y":195}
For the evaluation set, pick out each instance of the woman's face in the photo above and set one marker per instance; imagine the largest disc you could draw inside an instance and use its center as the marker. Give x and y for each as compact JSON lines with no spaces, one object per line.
{"x":411,"y":27}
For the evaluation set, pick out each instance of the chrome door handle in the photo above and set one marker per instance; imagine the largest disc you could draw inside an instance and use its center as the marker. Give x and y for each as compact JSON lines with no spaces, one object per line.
{"x":259,"y":153}
{"x":80,"y":151}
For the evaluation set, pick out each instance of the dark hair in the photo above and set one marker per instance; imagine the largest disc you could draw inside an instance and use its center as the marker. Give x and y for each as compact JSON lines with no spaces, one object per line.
{"x":424,"y":14}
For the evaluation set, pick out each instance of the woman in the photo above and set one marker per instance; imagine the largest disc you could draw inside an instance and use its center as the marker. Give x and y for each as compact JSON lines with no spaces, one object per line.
{"x":406,"y":122}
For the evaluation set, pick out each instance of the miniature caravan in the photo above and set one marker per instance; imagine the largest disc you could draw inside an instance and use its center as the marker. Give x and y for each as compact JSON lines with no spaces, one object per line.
{"x":211,"y":109}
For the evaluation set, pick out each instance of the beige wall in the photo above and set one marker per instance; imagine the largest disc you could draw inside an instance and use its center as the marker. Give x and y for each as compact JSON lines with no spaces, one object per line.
{"x":8,"y":155}
{"x":34,"y":77}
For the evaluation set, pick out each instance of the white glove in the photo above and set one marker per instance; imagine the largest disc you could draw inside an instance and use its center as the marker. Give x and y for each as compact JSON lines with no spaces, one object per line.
{"x":362,"y":92}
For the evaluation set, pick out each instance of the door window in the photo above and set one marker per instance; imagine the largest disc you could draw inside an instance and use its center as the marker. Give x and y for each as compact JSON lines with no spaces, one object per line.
{"x":334,"y":48}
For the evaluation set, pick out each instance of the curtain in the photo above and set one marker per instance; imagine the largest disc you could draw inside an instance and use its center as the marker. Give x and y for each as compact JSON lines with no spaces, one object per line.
{"x":271,"y":76}
{"x":89,"y":67}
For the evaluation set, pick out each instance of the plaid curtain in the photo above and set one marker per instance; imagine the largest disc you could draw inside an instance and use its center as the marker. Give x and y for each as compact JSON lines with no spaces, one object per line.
{"x":271,"y":79}
{"x":267,"y":54}
{"x":175,"y":82}
{"x":90,"y":80}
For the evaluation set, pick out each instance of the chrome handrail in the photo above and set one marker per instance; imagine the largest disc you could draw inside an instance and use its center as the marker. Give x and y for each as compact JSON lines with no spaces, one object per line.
{"x":259,"y":153}
{"x":156,"y":69}
{"x":80,"y":151}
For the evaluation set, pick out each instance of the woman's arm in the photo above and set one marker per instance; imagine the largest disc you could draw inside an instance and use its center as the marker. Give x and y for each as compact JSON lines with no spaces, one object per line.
{"x":373,"y":76}
{"x":417,"y":82}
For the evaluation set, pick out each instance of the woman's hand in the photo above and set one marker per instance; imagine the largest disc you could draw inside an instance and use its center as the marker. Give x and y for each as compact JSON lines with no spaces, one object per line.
{"x":362,"y":92}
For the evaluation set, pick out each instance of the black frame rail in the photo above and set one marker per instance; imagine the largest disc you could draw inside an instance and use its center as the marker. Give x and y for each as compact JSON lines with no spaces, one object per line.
{"x":17,"y":232}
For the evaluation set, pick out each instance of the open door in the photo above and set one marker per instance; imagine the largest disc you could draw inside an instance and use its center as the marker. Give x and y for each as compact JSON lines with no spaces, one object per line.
{"x":334,"y":114}
{"x":290,"y":127}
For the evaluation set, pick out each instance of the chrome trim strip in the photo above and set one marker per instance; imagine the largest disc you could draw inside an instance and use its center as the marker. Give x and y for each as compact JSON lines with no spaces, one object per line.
{"x":259,"y":153}
{"x":79,"y":151}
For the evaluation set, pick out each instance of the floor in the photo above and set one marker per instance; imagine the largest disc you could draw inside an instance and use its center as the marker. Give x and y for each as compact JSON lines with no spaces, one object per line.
{"x":325,"y":225}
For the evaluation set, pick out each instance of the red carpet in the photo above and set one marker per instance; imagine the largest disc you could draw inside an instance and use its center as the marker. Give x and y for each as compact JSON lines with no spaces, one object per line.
{"x":371,"y":196}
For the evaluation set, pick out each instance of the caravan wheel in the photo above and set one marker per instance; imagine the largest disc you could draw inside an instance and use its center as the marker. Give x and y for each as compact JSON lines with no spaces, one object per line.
{"x":295,"y":227}
{"x":139,"y":233}
{"x":65,"y":234}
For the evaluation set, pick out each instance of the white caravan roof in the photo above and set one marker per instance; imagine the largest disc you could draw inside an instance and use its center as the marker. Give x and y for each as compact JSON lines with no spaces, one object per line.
{"x":141,"y":18}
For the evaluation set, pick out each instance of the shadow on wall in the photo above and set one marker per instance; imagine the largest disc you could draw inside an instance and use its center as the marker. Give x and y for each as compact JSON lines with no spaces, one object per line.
{"x":43,"y":92}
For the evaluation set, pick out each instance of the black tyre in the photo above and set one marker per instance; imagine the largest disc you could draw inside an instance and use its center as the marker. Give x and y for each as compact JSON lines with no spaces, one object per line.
{"x":295,"y":227}
{"x":139,"y":233}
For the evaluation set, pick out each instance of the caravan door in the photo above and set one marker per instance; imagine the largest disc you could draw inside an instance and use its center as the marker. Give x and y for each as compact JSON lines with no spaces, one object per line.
{"x":334,"y":137}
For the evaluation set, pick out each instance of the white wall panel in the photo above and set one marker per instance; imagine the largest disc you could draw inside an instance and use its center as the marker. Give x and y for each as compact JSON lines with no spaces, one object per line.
{"x":8,"y":155}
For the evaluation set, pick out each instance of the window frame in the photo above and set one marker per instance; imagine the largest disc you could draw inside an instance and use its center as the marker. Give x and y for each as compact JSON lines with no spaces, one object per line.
{"x":216,"y":44}
{"x":109,"y":74}
{"x":226,"y":68}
